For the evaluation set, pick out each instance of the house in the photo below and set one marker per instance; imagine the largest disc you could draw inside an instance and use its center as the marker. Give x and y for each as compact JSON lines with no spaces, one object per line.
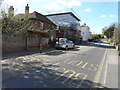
{"x":85,"y":32}
{"x":43,"y":30}
{"x":40,"y":31}
{"x":68,"y":25}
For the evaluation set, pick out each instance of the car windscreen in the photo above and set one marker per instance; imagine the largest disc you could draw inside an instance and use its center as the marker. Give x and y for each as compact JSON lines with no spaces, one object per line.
{"x":62,"y":42}
{"x":68,"y":42}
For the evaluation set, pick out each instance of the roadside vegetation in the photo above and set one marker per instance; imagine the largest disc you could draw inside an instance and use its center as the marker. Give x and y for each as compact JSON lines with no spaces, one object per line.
{"x":113,"y":35}
{"x":97,"y":37}
{"x":14,"y":25}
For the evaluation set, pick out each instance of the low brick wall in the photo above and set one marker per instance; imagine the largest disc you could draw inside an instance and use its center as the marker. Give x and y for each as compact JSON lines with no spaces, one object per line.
{"x":18,"y":43}
{"x":12,"y":43}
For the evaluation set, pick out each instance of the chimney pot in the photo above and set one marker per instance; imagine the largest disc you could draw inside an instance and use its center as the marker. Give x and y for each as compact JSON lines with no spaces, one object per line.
{"x":27,"y":9}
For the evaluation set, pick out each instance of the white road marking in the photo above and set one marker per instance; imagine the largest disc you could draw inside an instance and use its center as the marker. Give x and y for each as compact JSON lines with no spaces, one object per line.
{"x":98,"y":74}
{"x":105,"y":76}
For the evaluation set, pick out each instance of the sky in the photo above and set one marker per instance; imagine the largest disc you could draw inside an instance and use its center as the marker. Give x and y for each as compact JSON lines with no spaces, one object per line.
{"x":96,"y":15}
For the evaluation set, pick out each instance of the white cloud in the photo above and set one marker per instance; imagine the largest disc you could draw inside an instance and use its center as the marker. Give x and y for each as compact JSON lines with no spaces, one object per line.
{"x":102,"y":16}
{"x":88,"y":10}
{"x":61,"y":4}
{"x":53,"y":6}
{"x":112,"y":15}
{"x":69,"y":3}
{"x":17,"y":4}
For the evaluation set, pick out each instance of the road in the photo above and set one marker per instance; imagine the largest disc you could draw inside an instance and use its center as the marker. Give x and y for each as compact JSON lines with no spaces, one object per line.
{"x":73,"y":68}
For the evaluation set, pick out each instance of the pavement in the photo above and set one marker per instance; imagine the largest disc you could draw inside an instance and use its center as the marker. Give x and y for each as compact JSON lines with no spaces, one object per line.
{"x":109,"y":77}
{"x":112,"y":68}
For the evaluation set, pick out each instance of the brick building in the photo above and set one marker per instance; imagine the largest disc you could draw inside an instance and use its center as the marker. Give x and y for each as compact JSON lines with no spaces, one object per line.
{"x":40,"y":31}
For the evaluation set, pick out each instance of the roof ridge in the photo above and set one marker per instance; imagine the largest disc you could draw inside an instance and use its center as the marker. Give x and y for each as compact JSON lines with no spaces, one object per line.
{"x":65,"y":13}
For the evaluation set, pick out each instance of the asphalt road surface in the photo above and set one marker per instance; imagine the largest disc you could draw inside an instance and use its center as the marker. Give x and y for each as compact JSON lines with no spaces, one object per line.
{"x":74,"y":68}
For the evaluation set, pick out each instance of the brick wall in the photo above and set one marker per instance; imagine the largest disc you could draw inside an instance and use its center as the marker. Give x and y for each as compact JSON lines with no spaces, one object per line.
{"x":18,"y":43}
{"x":35,"y":40}
{"x":12,"y":43}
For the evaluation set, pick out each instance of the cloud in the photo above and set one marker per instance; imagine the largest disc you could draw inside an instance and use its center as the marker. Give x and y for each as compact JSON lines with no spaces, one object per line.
{"x":69,"y":3}
{"x":17,"y":4}
{"x":61,"y":4}
{"x":112,"y":15}
{"x":53,"y":6}
{"x":88,"y":10}
{"x":102,"y":16}
{"x":12,"y":2}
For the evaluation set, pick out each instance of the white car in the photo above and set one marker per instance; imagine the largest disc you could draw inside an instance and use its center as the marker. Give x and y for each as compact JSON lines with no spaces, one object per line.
{"x":65,"y":44}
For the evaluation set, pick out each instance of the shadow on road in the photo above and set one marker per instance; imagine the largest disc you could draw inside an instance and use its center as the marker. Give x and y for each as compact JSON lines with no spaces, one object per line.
{"x":59,"y":52}
{"x":16,"y":54}
{"x":54,"y":52}
{"x":99,"y":44}
{"x":32,"y":76}
{"x":49,"y":51}
{"x":103,"y":46}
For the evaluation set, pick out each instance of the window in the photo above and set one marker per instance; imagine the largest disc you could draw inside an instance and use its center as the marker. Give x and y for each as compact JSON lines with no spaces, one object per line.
{"x":68,"y":42}
{"x":41,"y":25}
{"x":62,"y":42}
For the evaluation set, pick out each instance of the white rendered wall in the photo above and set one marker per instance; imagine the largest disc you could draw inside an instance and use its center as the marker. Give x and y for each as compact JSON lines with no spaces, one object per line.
{"x":85,"y":33}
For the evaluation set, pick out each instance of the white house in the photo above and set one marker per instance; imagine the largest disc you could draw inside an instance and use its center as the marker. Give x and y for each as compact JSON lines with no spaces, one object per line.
{"x":85,"y":32}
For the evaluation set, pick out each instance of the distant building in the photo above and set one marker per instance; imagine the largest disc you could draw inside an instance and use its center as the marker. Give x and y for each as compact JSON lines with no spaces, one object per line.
{"x":85,"y":32}
{"x":68,"y":25}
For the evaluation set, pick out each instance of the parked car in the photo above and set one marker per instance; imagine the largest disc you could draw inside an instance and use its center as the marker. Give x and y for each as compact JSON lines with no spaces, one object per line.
{"x":65,"y":44}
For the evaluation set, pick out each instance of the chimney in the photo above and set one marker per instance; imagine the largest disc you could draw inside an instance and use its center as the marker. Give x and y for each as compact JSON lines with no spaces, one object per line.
{"x":85,"y":24}
{"x":26,"y":9}
{"x":11,"y":11}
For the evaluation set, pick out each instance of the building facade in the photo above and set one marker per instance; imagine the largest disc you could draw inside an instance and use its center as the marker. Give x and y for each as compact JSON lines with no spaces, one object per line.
{"x":85,"y":32}
{"x":68,"y":25}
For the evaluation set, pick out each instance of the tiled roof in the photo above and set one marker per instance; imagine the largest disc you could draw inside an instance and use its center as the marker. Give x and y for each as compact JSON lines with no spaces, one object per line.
{"x":37,"y":16}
